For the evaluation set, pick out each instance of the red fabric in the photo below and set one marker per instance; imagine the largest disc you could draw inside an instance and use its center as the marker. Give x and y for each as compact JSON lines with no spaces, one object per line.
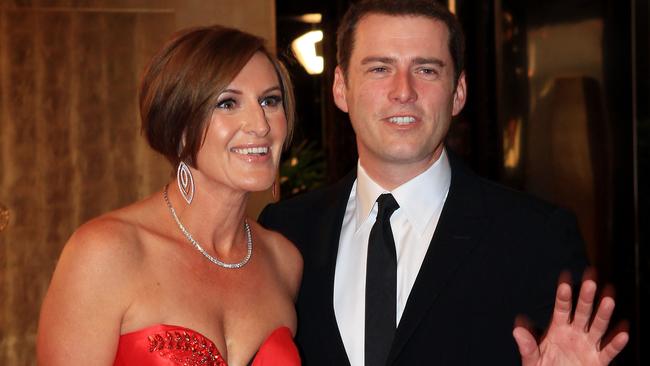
{"x":278,"y":349}
{"x":169,"y":345}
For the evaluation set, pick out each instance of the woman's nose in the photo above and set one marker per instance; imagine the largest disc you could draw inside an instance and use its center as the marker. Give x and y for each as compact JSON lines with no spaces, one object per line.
{"x":256,"y":121}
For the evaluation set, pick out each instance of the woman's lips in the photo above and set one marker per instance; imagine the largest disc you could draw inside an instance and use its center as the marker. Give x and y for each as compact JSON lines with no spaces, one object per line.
{"x":253,"y":153}
{"x":257,"y":150}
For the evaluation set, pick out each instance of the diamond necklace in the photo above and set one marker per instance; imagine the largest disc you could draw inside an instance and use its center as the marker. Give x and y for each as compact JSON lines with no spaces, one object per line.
{"x":247,"y":229}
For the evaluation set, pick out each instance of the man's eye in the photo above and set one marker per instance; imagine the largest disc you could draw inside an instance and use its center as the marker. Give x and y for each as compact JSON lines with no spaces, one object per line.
{"x":428,"y":71}
{"x":226,"y":104}
{"x":378,"y":69}
{"x":271,"y":101}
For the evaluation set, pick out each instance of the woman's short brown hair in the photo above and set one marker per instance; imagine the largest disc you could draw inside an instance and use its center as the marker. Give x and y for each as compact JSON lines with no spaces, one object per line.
{"x":181,"y":85}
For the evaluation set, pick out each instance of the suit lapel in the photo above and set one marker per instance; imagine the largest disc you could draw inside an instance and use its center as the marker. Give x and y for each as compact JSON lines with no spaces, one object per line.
{"x":328,"y":236}
{"x":457,"y":234}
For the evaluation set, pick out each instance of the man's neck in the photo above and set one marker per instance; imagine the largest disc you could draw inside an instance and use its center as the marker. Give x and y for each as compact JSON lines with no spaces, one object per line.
{"x":391,"y":175}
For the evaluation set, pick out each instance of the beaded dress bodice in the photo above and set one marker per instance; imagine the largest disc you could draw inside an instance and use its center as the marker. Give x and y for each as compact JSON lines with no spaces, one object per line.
{"x":167,"y":345}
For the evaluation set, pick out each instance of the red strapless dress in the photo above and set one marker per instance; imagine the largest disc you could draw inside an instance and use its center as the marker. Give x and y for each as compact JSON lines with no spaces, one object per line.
{"x":167,"y":345}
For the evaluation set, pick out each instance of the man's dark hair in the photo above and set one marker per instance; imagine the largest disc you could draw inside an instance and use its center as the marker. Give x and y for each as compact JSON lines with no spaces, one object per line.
{"x":345,"y":34}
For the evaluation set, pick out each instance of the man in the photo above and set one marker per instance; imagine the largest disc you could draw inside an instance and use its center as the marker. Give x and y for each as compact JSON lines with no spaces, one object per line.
{"x":465,"y":256}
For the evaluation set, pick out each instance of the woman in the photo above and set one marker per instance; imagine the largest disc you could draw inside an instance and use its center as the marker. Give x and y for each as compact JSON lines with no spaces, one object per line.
{"x":183,"y":277}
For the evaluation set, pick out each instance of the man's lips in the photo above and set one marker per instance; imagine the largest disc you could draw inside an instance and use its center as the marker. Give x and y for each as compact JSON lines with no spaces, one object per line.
{"x":401,"y":120}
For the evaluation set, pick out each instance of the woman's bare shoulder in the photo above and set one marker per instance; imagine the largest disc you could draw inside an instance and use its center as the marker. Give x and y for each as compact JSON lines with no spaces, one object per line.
{"x":113,"y":242}
{"x":98,"y":269}
{"x":109,"y":237}
{"x":101,"y":262}
{"x":117,"y":234}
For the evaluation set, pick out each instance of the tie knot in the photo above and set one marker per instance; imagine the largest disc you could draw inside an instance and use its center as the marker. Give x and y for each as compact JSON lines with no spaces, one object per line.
{"x":387,"y":205}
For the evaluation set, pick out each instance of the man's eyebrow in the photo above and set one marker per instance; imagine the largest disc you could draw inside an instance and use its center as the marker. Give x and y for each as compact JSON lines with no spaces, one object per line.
{"x":392,"y":61}
{"x":380,"y":59}
{"x":426,"y":60}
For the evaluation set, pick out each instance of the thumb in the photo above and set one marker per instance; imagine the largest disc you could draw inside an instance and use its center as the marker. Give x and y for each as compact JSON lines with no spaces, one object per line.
{"x":527,"y":344}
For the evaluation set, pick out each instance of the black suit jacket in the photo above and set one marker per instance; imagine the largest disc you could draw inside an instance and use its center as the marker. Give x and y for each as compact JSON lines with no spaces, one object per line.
{"x":495,"y":253}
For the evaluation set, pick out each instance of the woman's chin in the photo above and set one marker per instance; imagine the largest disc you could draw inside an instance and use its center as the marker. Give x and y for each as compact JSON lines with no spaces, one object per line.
{"x":260,"y":185}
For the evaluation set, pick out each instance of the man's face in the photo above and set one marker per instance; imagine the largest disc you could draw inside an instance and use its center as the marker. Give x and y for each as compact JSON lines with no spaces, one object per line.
{"x":399,"y":92}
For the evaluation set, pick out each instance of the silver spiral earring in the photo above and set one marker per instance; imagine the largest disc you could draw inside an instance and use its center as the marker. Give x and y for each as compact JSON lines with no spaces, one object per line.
{"x":185,"y":182}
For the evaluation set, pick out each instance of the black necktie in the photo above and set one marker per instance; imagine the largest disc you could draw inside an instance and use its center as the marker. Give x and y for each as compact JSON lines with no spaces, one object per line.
{"x":381,"y":285}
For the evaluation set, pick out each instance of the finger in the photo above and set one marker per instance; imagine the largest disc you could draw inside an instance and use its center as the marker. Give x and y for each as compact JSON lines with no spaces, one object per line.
{"x":590,"y":274}
{"x":585,"y":305}
{"x":562,"y":310}
{"x":613,"y":348}
{"x":565,"y":277}
{"x":601,"y":319}
{"x":527,"y":345}
{"x":523,"y":321}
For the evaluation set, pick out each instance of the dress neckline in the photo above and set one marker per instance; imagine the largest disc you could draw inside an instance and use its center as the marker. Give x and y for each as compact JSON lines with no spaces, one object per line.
{"x":163,"y":326}
{"x":154,"y":328}
{"x":172,"y":326}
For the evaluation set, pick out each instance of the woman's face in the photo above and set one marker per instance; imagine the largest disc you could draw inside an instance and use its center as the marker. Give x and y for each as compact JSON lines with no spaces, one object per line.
{"x":246,"y":131}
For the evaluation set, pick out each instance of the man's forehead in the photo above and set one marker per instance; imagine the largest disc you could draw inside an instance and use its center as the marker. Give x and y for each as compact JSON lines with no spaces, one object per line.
{"x":398,"y":35}
{"x":374,"y":21}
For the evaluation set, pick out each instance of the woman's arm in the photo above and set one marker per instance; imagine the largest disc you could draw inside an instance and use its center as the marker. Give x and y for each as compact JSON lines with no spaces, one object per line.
{"x":81,"y":315}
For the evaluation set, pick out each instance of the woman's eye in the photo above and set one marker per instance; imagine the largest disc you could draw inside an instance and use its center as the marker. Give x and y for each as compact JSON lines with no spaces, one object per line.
{"x":226,"y":104}
{"x":271,"y":101}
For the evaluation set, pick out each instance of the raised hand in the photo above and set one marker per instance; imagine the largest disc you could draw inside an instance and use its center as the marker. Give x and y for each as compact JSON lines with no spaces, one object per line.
{"x":577,"y":341}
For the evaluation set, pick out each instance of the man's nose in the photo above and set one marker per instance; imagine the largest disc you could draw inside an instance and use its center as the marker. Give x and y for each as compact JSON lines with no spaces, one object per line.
{"x":403,"y":90}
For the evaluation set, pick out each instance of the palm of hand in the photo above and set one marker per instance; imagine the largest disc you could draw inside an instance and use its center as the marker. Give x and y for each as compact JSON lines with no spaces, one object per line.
{"x":567,"y":346}
{"x":573,"y":341}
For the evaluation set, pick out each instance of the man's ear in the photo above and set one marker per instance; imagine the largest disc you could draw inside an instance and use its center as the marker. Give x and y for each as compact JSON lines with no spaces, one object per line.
{"x":460,"y":94}
{"x":339,"y":90}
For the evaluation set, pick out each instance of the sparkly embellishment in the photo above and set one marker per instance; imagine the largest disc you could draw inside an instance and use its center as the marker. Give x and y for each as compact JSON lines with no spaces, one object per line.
{"x":185,"y":349}
{"x":215,"y":260}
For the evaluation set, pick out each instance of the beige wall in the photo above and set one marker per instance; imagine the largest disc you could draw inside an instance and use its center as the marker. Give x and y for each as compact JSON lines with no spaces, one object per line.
{"x":70,"y":147}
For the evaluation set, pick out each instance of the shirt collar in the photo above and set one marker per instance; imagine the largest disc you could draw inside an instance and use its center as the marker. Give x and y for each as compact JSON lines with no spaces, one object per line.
{"x":419,"y":198}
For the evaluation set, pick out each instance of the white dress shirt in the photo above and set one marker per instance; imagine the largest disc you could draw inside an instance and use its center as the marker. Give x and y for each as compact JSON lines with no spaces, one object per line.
{"x":413,"y":223}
